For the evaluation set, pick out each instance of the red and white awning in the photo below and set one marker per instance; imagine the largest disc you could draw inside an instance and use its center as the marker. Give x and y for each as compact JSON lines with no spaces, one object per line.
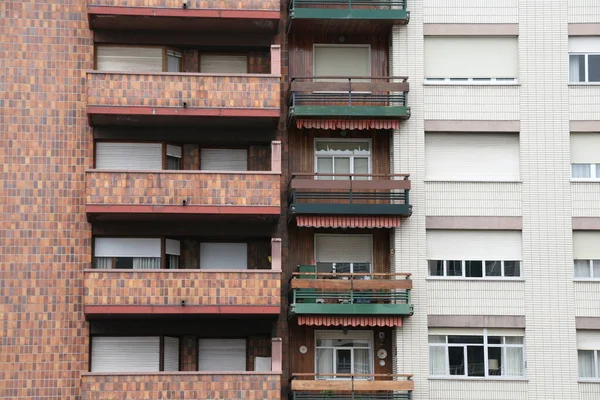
{"x":350,"y":124}
{"x":313,"y":320}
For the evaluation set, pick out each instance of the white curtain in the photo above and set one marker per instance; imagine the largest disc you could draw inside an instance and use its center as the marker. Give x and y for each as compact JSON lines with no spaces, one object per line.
{"x":361,"y":361}
{"x":325,"y":362}
{"x":146,"y":263}
{"x":586,"y":363}
{"x":438,"y":362}
{"x":575,"y":64}
{"x":103,"y":262}
{"x":580,"y":171}
{"x":513,"y":364}
{"x":173,"y":261}
{"x":582,"y":268}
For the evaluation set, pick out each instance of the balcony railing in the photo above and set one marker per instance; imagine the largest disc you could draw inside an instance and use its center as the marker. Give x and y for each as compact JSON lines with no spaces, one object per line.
{"x":350,"y":294}
{"x":350,"y":97}
{"x":191,"y":5}
{"x":351,"y":387}
{"x":394,"y":10}
{"x":349,"y":194}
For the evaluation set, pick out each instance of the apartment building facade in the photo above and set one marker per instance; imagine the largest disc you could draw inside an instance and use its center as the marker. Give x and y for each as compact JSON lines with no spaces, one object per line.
{"x":300,"y":199}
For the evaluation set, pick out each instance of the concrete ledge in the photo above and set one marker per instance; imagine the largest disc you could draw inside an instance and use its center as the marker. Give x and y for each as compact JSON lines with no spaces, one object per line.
{"x":476,"y":321}
{"x":584,"y":29}
{"x":586,"y":224}
{"x":583,"y":126}
{"x":438,"y":125}
{"x":471,"y":29}
{"x":592,"y":323}
{"x":475,"y":223}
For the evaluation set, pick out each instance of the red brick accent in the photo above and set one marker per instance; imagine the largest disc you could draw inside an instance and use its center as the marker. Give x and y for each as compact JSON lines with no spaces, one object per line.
{"x":181,"y":386}
{"x":271,"y":5}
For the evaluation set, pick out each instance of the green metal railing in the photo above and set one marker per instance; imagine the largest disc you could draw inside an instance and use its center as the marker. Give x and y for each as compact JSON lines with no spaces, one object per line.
{"x":398,"y":4}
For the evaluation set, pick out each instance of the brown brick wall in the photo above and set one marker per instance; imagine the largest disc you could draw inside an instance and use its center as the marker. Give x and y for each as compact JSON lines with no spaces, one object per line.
{"x":267,"y":5}
{"x":168,"y":90}
{"x":169,"y":287}
{"x":170,"y":188}
{"x":181,"y":386}
{"x":189,"y":353}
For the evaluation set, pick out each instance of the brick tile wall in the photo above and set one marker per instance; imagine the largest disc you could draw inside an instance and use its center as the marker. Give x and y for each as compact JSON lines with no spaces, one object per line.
{"x":266,"y":5}
{"x":164,"y":90}
{"x":168,"y":287}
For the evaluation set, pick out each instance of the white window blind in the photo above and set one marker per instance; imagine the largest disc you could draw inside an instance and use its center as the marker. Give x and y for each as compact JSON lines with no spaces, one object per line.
{"x":343,"y":248}
{"x":585,"y":148}
{"x":224,"y":159}
{"x":173,"y":247}
{"x":174,"y":151}
{"x":171,"y":354}
{"x":584,"y":44}
{"x":223,"y":64}
{"x":586,"y":245}
{"x":588,"y":340}
{"x":473,"y":245}
{"x":126,"y":247}
{"x":478,"y":157}
{"x":129,"y":156}
{"x":339,"y":60}
{"x":125,"y":354}
{"x":476,"y":331}
{"x":129,"y":59}
{"x":223,"y":256}
{"x":471,"y":57}
{"x":222,"y":355}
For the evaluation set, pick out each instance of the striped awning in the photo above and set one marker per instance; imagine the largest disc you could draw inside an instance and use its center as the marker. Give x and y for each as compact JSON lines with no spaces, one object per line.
{"x":313,"y":320}
{"x":347,"y":124}
{"x":317,"y":221}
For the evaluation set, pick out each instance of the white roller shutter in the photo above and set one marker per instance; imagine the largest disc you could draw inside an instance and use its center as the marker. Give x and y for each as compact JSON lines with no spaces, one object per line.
{"x":586,"y":245}
{"x":471,"y":57}
{"x":223,"y":255}
{"x":584,"y":44}
{"x":585,"y":148}
{"x":126,"y":247}
{"x":476,"y":331}
{"x":340,"y":60}
{"x":174,"y":151}
{"x":129,"y":59}
{"x":343,"y":248}
{"x":222,"y":355}
{"x":223,"y":64}
{"x":129,"y":156}
{"x":171,"y":354}
{"x":224,"y":159}
{"x":588,"y":340}
{"x":172,"y":247}
{"x":473,"y":245}
{"x":336,"y":335}
{"x":125,"y":354}
{"x":461,"y":157}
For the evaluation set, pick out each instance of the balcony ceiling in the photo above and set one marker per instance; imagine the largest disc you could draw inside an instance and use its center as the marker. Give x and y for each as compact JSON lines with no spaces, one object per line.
{"x":207,"y":123}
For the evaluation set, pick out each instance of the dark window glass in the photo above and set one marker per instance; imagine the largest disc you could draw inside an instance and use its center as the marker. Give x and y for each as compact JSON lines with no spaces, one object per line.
{"x":173,"y":163}
{"x":436,"y":268}
{"x":493,"y":268}
{"x":456,"y":357}
{"x":124,"y":263}
{"x":344,"y":361}
{"x":512,"y":268}
{"x":594,"y":68}
{"x":475,"y":361}
{"x":465,"y":339}
{"x":474,"y":269}
{"x":494,"y":361}
{"x":454,"y":268}
{"x":494,"y":339}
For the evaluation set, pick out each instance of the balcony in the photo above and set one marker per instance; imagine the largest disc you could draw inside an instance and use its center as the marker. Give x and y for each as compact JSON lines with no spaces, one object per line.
{"x":381,"y":199}
{"x":337,"y":15}
{"x":379,"y":100}
{"x":149,"y":99}
{"x":348,"y":295}
{"x":355,"y":387}
{"x":232,"y":16}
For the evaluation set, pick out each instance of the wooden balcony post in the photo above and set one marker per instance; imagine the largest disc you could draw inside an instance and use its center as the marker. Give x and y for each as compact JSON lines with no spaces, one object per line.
{"x":276,"y":254}
{"x":276,"y":354}
{"x":276,"y":156}
{"x":275,"y":59}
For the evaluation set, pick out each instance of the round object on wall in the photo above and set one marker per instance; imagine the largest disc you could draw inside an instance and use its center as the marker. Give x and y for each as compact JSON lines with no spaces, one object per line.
{"x":381,"y":353}
{"x":303,"y":349}
{"x":382,"y":363}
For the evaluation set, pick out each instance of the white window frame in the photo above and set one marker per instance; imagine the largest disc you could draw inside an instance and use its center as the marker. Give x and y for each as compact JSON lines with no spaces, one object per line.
{"x":472,"y":81}
{"x":486,"y":346}
{"x":593,"y":167}
{"x":484,"y":277}
{"x":350,"y":156}
{"x":347,"y":335}
{"x":592,"y":277}
{"x":595,"y":378}
{"x":586,"y":68}
{"x":345,"y":262}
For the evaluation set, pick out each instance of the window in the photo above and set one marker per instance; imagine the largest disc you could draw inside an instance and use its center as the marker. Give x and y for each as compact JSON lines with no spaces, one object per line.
{"x":585,"y":156}
{"x":587,"y":269}
{"x":588,"y":354}
{"x":137,"y":59}
{"x":586,"y":251}
{"x":341,"y":60}
{"x":584,"y":59}
{"x":339,"y":353}
{"x":221,"y":354}
{"x":344,"y":157}
{"x":129,"y":156}
{"x":468,"y":60}
{"x":472,"y":157}
{"x":173,"y":157}
{"x":173,"y":253}
{"x":343,"y":253}
{"x":127,"y":253}
{"x":493,"y":353}
{"x":224,"y":256}
{"x":224,"y":159}
{"x":134,"y":354}
{"x":223,"y":64}
{"x":474,"y":254}
{"x":174,"y":61}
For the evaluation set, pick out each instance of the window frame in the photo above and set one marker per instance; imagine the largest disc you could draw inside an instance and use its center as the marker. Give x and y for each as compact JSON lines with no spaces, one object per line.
{"x":502,"y":275}
{"x":591,"y":264}
{"x":343,"y":335}
{"x":486,"y":346}
{"x":586,"y":68}
{"x":595,"y":378}
{"x":350,"y":156}
{"x":164,"y":258}
{"x":593,"y":169}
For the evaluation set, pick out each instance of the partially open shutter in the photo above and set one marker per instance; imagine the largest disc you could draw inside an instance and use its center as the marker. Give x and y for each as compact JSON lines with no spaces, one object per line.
{"x":129,"y":59}
{"x":224,"y":159}
{"x":473,"y":245}
{"x":223,"y":256}
{"x":171,"y":354}
{"x":125,"y":354}
{"x":340,"y":60}
{"x":173,"y":247}
{"x":343,"y":248}
{"x":126,"y":247}
{"x":585,"y":148}
{"x":129,"y":156}
{"x":222,"y":355}
{"x":223,"y":64}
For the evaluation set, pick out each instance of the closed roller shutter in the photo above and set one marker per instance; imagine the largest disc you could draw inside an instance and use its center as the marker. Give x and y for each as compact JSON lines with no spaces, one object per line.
{"x":476,"y":331}
{"x":585,"y":148}
{"x":223,"y":256}
{"x":125,"y":354}
{"x":479,"y":157}
{"x":471,"y":57}
{"x":129,"y":156}
{"x":588,"y":340}
{"x":224,"y":159}
{"x":174,"y":151}
{"x":584,"y":44}
{"x":223,"y":64}
{"x":331,"y":60}
{"x":173,"y":247}
{"x":586,"y":245}
{"x":473,"y":245}
{"x":129,"y":59}
{"x":222,"y":355}
{"x":343,"y":248}
{"x":126,"y":247}
{"x":171,"y":354}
